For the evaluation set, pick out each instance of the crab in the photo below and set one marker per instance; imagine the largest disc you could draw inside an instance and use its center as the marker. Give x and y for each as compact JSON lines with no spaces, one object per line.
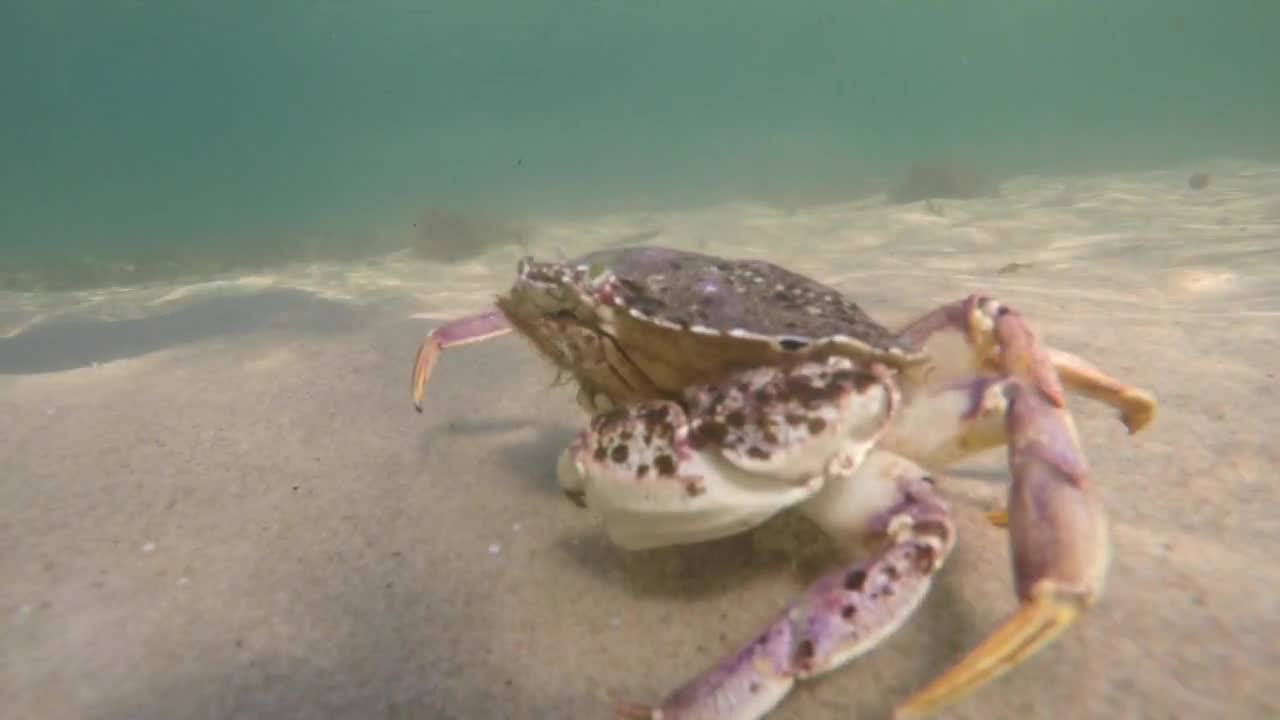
{"x":722,"y":392}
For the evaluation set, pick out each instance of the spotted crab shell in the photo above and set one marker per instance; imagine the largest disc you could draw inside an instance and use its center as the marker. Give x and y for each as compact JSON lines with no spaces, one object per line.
{"x":646,"y":322}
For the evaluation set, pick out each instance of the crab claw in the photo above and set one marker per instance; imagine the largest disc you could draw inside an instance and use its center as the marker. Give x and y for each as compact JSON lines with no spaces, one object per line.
{"x":1059,"y":544}
{"x":463,"y":331}
{"x":991,"y":329}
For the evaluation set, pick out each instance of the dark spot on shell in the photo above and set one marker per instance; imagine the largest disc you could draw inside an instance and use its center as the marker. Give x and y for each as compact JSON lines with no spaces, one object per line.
{"x":601,"y":453}
{"x":665,"y":465}
{"x":924,"y":558}
{"x":753,"y":687}
{"x":619,"y":453}
{"x":792,"y":344}
{"x":694,"y":489}
{"x":655,"y":415}
{"x":794,"y":419}
{"x":854,"y":580}
{"x":712,"y":432}
{"x":757,"y":452}
{"x":642,"y":471}
{"x":848,"y":611}
{"x":929,"y":479}
{"x":805,"y":651}
{"x":736,"y":419}
{"x":816,"y":425}
{"x":890,"y":572}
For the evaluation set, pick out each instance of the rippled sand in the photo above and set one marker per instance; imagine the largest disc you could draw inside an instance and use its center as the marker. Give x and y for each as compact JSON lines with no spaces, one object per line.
{"x":217,"y":501}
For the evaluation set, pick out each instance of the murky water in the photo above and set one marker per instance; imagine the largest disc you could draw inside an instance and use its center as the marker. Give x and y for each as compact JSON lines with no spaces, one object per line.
{"x":216,"y":499}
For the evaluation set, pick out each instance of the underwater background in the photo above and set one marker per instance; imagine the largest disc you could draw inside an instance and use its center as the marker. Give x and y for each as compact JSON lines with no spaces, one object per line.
{"x":144,"y":139}
{"x":226,"y":227}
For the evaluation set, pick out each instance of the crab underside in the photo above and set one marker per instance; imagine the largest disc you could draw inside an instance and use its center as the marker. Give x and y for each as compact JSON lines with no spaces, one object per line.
{"x":707,"y":425}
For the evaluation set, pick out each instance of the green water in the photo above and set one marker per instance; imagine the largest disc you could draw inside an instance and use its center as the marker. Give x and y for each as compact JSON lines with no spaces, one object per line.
{"x":144,"y":139}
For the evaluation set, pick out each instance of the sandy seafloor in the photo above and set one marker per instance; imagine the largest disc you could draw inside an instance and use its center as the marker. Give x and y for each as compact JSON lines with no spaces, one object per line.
{"x":216,"y":501}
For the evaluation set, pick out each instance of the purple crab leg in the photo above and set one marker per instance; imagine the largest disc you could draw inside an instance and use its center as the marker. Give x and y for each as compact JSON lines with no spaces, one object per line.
{"x":463,"y":331}
{"x":841,"y":616}
{"x":1057,"y":531}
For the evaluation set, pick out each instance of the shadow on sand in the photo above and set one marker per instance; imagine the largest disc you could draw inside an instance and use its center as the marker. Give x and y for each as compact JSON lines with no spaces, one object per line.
{"x":67,"y":344}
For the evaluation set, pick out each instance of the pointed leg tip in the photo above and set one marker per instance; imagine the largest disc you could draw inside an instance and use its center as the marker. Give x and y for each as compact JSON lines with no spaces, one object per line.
{"x":1034,"y":626}
{"x":1139,"y":412}
{"x":999,"y":518}
{"x":423,"y":363}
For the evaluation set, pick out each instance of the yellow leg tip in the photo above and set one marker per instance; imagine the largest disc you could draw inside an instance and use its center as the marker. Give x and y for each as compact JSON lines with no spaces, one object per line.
{"x":1138,"y":411}
{"x":423,"y":363}
{"x":1036,"y":624}
{"x":999,"y":518}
